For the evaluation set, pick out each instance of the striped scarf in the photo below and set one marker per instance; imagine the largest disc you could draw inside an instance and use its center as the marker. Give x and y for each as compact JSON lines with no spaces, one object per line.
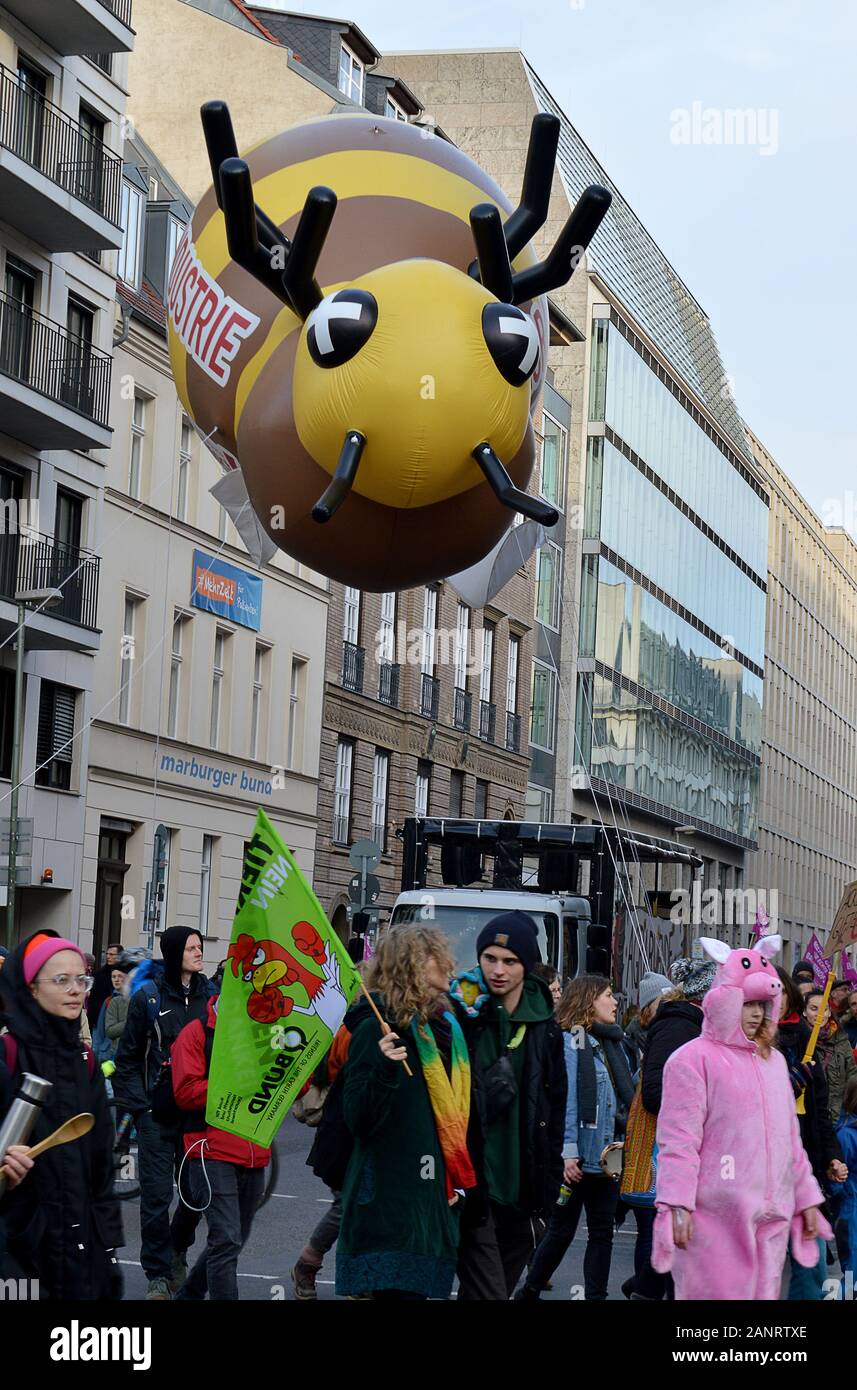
{"x":450,"y":1101}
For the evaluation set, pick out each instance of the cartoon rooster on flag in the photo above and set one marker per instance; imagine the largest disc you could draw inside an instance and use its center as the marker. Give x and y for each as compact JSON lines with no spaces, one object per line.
{"x":271,"y":970}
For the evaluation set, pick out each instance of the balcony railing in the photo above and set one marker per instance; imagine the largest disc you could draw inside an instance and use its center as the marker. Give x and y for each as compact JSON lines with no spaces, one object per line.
{"x":121,"y":9}
{"x":429,"y":696}
{"x":31,"y":561}
{"x":487,"y":720}
{"x":513,"y":732}
{"x":45,"y":356}
{"x":352,"y":667}
{"x":461,"y":711}
{"x":101,"y":60}
{"x":42,"y":135}
{"x":388,"y":683}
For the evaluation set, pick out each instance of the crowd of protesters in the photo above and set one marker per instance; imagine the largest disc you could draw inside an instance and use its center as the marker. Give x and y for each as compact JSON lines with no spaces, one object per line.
{"x":494,"y":1105}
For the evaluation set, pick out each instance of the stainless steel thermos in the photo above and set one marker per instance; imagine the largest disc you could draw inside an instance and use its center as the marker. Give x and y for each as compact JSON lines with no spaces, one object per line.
{"x":22,"y":1115}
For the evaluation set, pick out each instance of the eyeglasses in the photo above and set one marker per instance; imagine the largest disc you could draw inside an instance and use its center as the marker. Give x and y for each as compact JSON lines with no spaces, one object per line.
{"x":70,"y":983}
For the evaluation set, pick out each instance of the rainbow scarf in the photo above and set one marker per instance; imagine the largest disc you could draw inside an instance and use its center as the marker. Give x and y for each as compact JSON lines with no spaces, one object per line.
{"x":450,"y":1101}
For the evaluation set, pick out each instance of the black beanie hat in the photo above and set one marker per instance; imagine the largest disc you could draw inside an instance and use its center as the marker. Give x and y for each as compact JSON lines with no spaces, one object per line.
{"x":515,"y":932}
{"x":803,"y":967}
{"x":173,"y":943}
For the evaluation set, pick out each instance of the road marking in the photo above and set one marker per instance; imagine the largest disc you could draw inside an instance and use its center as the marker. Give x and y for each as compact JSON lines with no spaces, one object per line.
{"x":272,"y":1278}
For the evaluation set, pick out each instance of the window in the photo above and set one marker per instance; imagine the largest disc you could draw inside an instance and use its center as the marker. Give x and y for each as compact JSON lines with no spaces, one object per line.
{"x":175,"y":675}
{"x":543,"y":709}
{"x":421,"y":803}
{"x":297,"y":688}
{"x":55,"y":747}
{"x":222,"y":522}
{"x":462,"y":636}
{"x":30,"y":112}
{"x":428,"y":637}
{"x":205,"y":883}
{"x":256,"y":702}
{"x":351,"y":617}
{"x":128,"y":266}
{"x":175,"y":232}
{"x":342,"y":791}
{"x":393,"y":109}
{"x":183,"y":470}
{"x":456,"y":794}
{"x":387,"y":630}
{"x":138,"y":439}
{"x":127,"y":657}
{"x":480,"y":809}
{"x":512,"y":675}
{"x":549,"y":585}
{"x":539,"y":803}
{"x":554,"y":455}
{"x":486,"y":676}
{"x":217,"y":678}
{"x":90,"y":171}
{"x":77,"y":385}
{"x":16,"y":342}
{"x":380,"y":784}
{"x":7,"y":720}
{"x":350,"y":75}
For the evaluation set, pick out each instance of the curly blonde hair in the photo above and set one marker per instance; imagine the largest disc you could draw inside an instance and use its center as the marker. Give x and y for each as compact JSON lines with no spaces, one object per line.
{"x":397,"y":971}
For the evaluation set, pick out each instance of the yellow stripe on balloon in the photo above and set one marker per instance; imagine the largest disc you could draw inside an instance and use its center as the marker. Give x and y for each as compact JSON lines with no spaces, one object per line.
{"x":351,"y":174}
{"x":178,"y":362}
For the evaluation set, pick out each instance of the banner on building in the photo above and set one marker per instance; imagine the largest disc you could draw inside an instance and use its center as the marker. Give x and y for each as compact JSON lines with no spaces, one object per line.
{"x":286,"y":988}
{"x":221,"y":588}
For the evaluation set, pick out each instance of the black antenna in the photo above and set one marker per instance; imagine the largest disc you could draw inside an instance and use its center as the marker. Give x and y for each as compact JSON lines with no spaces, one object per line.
{"x":505,"y":491}
{"x":495,"y":272}
{"x":531,"y":214}
{"x":307,"y":245}
{"x":239,"y":214}
{"x":221,"y":145}
{"x":571,"y":243}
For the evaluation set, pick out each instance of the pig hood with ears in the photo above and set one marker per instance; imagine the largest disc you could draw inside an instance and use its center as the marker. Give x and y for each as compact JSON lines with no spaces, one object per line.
{"x":743,"y":976}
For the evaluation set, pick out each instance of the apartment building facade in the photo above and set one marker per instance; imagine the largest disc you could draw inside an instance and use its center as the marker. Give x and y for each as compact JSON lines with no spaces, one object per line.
{"x":63,"y":79}
{"x":204,"y":709}
{"x":808,"y":797}
{"x":654,"y":711}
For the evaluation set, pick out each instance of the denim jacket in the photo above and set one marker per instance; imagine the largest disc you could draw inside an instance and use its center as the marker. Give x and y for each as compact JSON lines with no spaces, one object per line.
{"x":587,"y":1142}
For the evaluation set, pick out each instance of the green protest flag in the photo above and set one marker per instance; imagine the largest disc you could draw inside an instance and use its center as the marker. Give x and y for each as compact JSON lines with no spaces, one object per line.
{"x":286,"y":987}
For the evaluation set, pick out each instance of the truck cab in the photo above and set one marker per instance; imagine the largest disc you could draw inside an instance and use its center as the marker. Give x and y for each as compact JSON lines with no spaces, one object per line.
{"x":562,"y":922}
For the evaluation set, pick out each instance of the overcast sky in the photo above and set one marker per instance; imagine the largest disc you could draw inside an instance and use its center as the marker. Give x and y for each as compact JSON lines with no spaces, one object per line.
{"x":763,"y":235}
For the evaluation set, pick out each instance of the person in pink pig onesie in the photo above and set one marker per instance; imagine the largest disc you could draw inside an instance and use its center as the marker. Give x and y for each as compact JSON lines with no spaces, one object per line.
{"x":733,"y":1180}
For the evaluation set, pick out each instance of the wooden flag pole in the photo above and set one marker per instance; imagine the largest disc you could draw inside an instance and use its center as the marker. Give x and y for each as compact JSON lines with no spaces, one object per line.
{"x":385,"y":1027}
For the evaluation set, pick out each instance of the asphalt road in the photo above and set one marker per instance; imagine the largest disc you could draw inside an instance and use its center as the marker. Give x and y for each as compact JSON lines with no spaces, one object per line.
{"x":298,"y":1202}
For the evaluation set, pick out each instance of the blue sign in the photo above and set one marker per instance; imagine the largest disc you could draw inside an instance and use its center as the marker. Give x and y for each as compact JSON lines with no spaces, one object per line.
{"x":222,"y":589}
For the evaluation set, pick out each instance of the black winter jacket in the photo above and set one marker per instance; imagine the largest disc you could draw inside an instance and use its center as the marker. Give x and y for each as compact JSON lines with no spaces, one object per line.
{"x":61,"y":1221}
{"x":816,"y":1129}
{"x":676,"y":1023}
{"x":544,"y":1089}
{"x":143,"y":1048}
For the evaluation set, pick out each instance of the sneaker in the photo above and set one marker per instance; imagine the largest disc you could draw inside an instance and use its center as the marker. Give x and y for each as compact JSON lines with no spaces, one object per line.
{"x":178,"y":1273}
{"x":158,"y":1291}
{"x":303,"y":1278}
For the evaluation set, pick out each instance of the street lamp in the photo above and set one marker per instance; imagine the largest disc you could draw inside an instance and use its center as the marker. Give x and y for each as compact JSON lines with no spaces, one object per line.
{"x":44,"y":598}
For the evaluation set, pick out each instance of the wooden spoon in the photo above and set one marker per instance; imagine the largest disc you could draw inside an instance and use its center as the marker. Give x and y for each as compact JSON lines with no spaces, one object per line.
{"x":74,"y":1128}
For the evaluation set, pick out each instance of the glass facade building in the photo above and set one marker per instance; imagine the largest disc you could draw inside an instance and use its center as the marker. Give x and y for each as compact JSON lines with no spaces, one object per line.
{"x":672,"y":600}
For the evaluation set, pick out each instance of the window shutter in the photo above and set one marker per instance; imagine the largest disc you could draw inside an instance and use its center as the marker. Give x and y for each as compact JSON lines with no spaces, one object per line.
{"x":56,"y":724}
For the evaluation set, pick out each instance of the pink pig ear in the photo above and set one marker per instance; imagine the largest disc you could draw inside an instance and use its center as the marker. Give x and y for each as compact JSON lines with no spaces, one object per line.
{"x":769,"y":946}
{"x":717,"y":950}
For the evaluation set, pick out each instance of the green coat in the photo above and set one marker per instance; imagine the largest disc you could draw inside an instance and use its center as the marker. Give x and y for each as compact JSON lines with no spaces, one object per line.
{"x":398,"y":1230}
{"x":837,"y":1058}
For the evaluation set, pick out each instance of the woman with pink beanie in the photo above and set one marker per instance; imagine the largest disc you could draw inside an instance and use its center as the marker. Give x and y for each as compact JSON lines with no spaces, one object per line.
{"x":61,"y":1220}
{"x":734,"y":1182}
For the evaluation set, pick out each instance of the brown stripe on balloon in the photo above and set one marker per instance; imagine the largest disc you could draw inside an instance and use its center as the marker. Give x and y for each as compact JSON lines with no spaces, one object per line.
{"x":331,"y":134}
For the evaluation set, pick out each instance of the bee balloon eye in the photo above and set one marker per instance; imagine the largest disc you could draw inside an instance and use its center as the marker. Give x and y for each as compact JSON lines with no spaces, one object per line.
{"x":512,"y":340}
{"x":340,"y":325}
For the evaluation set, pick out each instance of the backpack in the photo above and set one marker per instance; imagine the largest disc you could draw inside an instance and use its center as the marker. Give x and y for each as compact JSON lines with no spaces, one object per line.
{"x":334,"y":1142}
{"x":10,"y":1049}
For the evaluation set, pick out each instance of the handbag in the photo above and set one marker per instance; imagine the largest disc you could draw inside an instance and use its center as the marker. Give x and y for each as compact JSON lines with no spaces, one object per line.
{"x":309,"y":1108}
{"x":638,"y":1179}
{"x":611,"y":1160}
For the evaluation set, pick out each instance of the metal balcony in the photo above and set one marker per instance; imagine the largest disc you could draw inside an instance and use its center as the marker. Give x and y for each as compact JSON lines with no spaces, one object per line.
{"x":487,"y":720}
{"x":54,"y":387}
{"x":429,"y":696}
{"x":32,"y":561}
{"x":513,"y":732}
{"x":461,"y":711}
{"x":78,"y":26}
{"x":388,"y":683}
{"x":352,"y":667}
{"x":58,"y":185}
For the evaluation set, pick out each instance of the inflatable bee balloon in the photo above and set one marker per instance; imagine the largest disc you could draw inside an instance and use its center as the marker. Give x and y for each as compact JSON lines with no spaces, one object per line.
{"x":367,"y":342}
